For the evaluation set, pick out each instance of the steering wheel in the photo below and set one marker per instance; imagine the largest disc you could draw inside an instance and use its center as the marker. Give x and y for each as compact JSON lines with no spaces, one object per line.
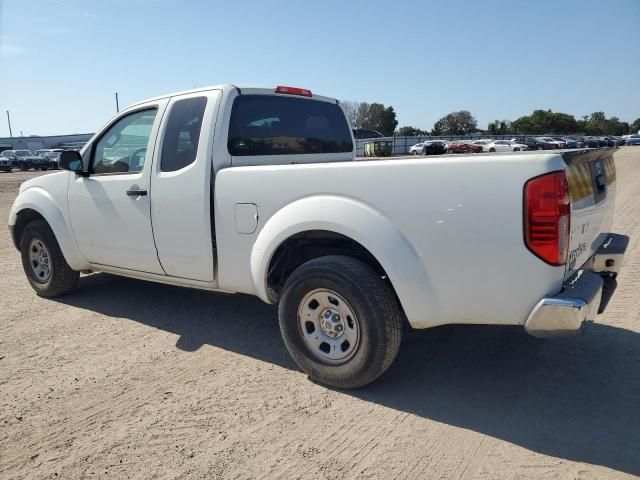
{"x":133,"y":164}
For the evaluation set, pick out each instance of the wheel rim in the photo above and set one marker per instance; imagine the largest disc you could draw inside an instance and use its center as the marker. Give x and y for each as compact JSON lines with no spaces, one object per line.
{"x":329,"y":326}
{"x":39,"y":260}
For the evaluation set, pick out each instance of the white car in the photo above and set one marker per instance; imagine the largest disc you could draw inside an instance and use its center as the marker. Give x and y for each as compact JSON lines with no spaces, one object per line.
{"x":255,"y":190}
{"x":504,"y":146}
{"x":484,"y":143}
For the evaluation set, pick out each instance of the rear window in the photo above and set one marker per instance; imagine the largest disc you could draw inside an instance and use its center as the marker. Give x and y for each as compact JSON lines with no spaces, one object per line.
{"x":275,"y":125}
{"x":181,"y":137}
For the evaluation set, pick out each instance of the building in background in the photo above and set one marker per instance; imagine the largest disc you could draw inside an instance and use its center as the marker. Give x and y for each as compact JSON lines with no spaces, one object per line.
{"x":35,"y":142}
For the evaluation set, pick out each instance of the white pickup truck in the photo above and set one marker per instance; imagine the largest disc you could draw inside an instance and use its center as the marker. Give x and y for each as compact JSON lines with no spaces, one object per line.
{"x":255,"y":190}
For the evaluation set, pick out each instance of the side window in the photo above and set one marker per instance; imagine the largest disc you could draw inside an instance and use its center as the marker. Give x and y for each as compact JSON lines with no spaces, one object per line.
{"x":180,"y":142}
{"x":276,"y":125}
{"x":122,"y":148}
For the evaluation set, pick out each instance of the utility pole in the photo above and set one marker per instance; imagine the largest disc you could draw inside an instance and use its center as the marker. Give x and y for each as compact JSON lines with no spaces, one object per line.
{"x":9,"y":122}
{"x":117,"y":105}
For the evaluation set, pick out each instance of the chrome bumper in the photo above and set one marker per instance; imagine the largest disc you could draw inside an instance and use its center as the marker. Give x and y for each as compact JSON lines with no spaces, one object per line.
{"x":583,"y":296}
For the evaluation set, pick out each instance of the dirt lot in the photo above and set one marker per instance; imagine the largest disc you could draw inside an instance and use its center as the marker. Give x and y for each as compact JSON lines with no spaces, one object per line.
{"x":128,"y":379}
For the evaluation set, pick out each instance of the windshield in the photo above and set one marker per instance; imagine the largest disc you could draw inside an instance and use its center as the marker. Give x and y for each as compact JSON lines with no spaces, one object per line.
{"x":22,"y":153}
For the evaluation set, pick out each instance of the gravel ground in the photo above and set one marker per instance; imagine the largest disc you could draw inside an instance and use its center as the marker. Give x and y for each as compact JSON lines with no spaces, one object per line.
{"x":129,"y":379}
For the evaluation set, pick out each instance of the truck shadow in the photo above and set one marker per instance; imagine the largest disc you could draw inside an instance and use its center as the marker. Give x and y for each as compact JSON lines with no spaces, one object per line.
{"x":576,"y":398}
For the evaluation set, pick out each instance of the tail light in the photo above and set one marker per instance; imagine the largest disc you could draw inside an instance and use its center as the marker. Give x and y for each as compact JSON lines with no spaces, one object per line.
{"x":547,"y":211}
{"x":293,"y":91}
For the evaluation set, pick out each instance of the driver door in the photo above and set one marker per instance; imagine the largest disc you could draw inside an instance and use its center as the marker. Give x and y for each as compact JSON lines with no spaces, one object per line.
{"x":110,"y":208}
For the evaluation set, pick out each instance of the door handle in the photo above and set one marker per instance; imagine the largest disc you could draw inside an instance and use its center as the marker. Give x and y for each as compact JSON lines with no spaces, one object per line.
{"x":136,"y":193}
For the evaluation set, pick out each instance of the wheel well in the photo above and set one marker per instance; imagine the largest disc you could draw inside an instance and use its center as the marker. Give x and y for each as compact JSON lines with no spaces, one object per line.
{"x":24,"y":218}
{"x":305,"y":246}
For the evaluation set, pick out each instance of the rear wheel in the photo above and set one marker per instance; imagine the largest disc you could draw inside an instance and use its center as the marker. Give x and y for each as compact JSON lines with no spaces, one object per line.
{"x":413,"y":152}
{"x":517,"y":149}
{"x":340,"y":321}
{"x":492,"y":149}
{"x":44,"y":265}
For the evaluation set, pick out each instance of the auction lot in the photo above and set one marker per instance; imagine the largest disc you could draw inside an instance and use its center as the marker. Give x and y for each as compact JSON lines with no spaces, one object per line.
{"x":129,"y":379}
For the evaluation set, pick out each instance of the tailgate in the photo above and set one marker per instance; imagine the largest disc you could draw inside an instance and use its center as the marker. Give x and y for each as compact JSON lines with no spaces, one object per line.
{"x":591,"y":175}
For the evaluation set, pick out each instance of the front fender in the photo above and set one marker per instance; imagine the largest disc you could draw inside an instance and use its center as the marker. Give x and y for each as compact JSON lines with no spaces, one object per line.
{"x":360,"y":222}
{"x":41,"y":201}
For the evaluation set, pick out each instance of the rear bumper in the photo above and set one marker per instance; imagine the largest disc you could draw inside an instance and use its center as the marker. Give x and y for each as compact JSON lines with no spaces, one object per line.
{"x":583,"y":296}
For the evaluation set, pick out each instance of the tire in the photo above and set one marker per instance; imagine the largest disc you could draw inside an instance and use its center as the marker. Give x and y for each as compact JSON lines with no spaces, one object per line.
{"x":492,"y":149}
{"x":60,"y":279}
{"x":375,"y":325}
{"x":413,"y":152}
{"x":450,"y":152}
{"x":517,"y":149}
{"x":540,"y":147}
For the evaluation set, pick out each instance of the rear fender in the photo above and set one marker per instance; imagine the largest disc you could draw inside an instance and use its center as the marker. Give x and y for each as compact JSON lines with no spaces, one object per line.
{"x":360,"y":222}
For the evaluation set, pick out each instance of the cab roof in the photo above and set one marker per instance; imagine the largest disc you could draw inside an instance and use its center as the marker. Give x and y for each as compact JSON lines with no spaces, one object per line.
{"x":241,"y":89}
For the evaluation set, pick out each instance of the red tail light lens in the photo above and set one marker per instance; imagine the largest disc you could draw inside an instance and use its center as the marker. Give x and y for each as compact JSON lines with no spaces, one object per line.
{"x":293,"y":91}
{"x":547,"y":217}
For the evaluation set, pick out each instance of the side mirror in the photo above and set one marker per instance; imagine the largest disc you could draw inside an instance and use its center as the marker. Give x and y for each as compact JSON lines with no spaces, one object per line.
{"x":71,"y":160}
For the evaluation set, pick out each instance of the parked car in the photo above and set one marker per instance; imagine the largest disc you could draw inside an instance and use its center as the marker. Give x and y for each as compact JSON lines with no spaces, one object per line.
{"x":52,"y":158}
{"x":6,"y":164}
{"x":567,"y":142}
{"x":430,"y":147}
{"x":361,"y":133}
{"x":505,"y":146}
{"x":633,"y":140}
{"x":570,"y":142}
{"x":23,"y":159}
{"x":551,"y":140}
{"x":350,"y":250}
{"x":457,"y":146}
{"x":592,"y":142}
{"x":613,"y":141}
{"x":483,"y":144}
{"x":533,"y":143}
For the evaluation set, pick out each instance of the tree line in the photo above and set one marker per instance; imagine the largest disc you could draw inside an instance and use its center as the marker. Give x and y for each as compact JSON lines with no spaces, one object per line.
{"x":376,"y":116}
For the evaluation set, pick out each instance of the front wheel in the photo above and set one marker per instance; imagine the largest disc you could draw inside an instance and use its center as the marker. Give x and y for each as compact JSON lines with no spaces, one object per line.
{"x":492,"y":149}
{"x":340,"y":321}
{"x":44,"y":265}
{"x":414,"y":152}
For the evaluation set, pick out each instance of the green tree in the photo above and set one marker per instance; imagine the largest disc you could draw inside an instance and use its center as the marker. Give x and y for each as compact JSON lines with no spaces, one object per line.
{"x":389,"y":121}
{"x":408,"y":131}
{"x":545,"y":121}
{"x":634,"y":127}
{"x":456,"y":123}
{"x":598,"y":124}
{"x":382,"y":119}
{"x":499,"y":127}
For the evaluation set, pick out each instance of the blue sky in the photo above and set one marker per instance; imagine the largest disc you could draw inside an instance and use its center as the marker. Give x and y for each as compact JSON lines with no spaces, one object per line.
{"x":62,"y":60}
